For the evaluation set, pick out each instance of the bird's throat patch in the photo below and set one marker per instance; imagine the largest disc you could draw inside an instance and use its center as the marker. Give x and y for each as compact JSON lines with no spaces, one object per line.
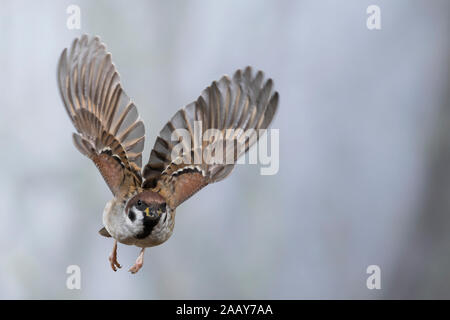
{"x":149,"y":224}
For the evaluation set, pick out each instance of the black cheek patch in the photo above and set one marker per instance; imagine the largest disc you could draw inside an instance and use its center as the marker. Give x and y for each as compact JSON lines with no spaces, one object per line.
{"x":131,"y":215}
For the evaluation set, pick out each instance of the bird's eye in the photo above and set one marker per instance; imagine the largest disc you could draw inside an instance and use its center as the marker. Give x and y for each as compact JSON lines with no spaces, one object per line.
{"x":139,"y":203}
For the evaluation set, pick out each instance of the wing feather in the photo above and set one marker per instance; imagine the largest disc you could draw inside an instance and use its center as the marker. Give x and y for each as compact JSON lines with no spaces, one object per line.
{"x":246,"y":101}
{"x":109,"y":129}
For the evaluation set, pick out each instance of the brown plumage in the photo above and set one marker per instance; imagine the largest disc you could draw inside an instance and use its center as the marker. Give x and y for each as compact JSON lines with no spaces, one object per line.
{"x":111,"y":134}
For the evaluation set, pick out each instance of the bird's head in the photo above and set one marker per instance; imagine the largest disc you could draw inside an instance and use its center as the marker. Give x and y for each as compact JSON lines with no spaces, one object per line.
{"x":143,"y":212}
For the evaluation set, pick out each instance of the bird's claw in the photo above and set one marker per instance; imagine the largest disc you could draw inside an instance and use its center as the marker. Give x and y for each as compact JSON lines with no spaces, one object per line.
{"x":138,"y":264}
{"x":114,"y":263}
{"x":136,"y":267}
{"x":113,"y":258}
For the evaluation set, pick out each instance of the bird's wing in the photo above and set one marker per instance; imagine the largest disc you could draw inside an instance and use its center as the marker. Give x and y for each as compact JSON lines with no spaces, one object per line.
{"x":182,"y":161}
{"x":110,"y":131}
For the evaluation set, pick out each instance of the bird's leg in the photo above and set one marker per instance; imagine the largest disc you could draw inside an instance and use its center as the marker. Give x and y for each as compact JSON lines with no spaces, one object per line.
{"x":113,"y":257}
{"x":139,"y":262}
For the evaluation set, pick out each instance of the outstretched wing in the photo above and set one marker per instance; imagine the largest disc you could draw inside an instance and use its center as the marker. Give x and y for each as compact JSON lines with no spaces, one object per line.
{"x":110,"y":131}
{"x":188,"y":155}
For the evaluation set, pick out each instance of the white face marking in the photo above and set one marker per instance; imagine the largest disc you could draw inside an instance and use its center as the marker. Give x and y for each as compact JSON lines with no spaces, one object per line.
{"x":115,"y":221}
{"x":136,"y":225}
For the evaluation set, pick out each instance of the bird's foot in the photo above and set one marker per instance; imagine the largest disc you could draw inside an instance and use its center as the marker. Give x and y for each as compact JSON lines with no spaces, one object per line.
{"x":113,"y":258}
{"x":136,"y":267}
{"x":139,"y":263}
{"x":114,"y":263}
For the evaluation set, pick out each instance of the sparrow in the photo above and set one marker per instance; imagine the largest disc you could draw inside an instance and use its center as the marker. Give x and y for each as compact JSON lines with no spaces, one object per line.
{"x":110,"y":132}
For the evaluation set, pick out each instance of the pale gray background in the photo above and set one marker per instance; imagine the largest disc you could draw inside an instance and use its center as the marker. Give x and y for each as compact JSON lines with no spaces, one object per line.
{"x":365,"y":151}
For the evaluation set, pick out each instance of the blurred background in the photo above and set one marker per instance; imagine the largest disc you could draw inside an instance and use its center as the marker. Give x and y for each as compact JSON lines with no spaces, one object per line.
{"x":364,"y":175}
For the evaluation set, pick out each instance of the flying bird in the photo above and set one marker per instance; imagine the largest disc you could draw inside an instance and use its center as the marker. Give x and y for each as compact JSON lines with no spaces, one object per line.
{"x":111,"y":134}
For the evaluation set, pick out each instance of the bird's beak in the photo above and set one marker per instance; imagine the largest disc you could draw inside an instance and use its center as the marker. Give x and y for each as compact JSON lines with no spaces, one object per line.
{"x":147,"y":212}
